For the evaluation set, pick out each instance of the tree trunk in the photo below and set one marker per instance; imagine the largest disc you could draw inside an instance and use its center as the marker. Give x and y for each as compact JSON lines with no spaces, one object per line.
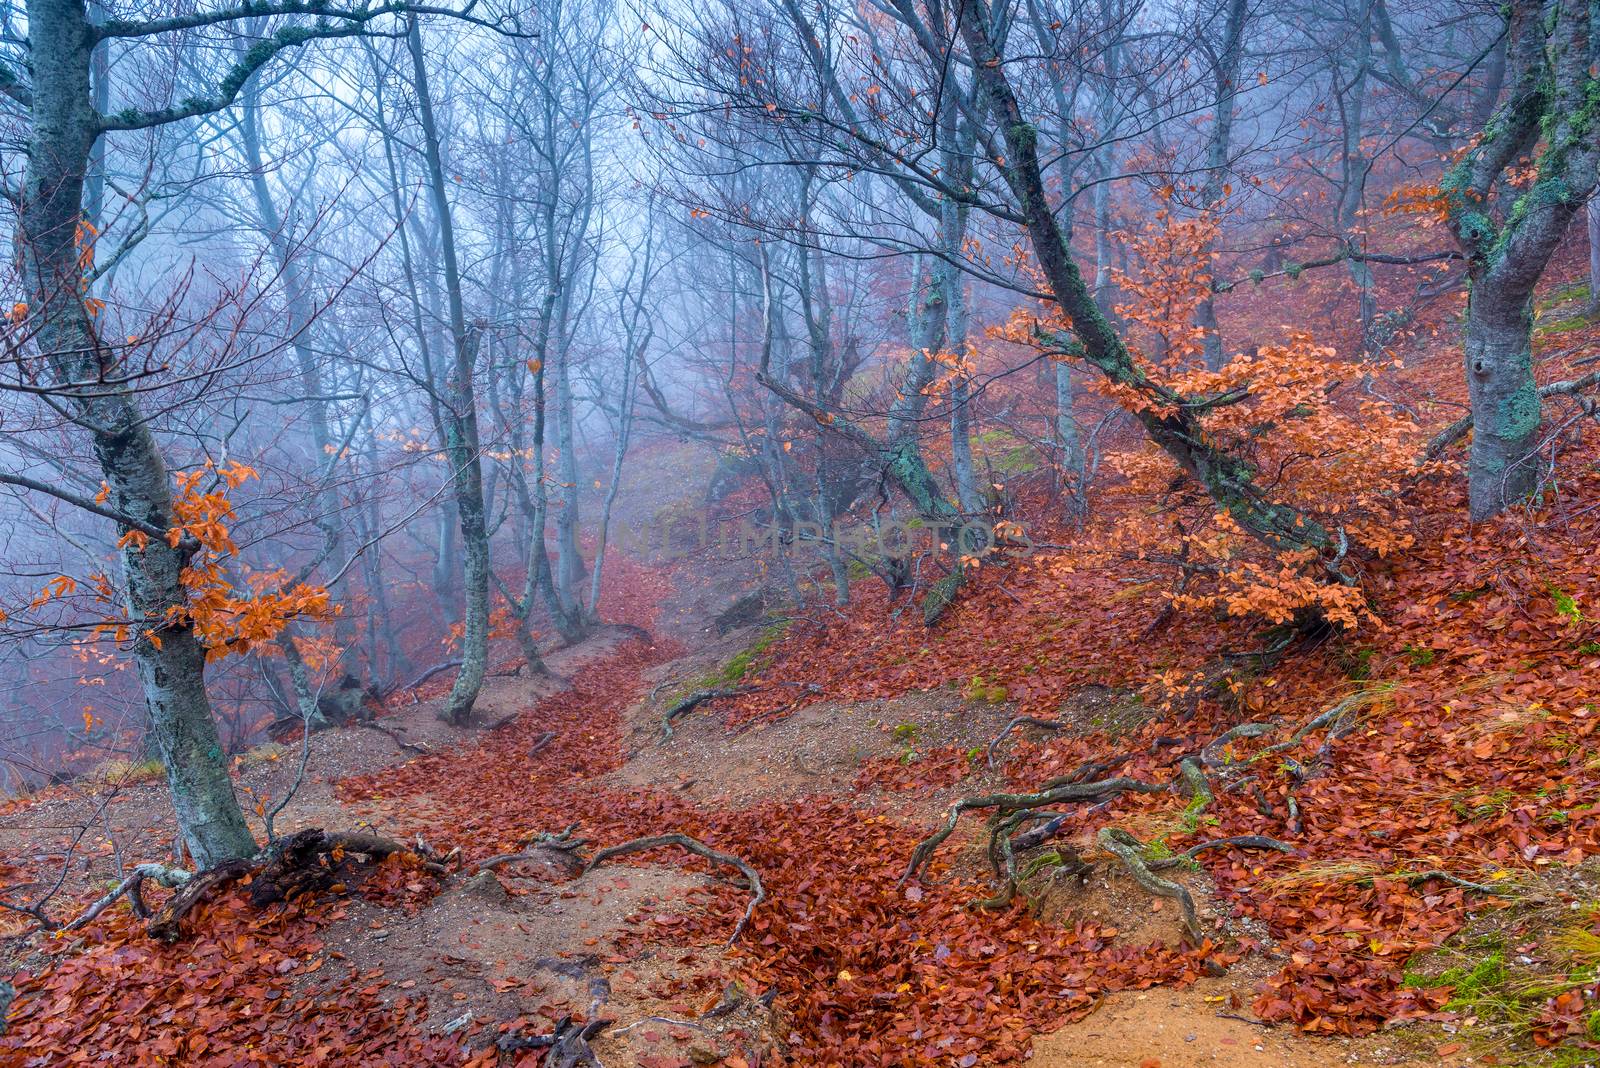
{"x":1592,"y":219}
{"x":169,"y":657}
{"x":1075,"y":505}
{"x":1505,"y":401}
{"x":1217,"y":148}
{"x":461,"y":421}
{"x":966,"y":477}
{"x":301,"y":312}
{"x":1550,"y":99}
{"x":1228,"y":479}
{"x":569,"y":557}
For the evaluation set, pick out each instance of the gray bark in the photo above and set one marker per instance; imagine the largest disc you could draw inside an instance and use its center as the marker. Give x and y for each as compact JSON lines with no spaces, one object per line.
{"x":1218,"y":146}
{"x":1592,"y":226}
{"x":461,"y":418}
{"x":167,"y":652}
{"x":1552,"y":97}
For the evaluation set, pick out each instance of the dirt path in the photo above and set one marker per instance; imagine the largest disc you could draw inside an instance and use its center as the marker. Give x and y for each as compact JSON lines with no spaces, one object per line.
{"x":843,"y":965}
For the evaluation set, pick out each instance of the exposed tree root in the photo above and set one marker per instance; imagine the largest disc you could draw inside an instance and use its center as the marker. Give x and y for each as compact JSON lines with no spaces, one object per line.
{"x":568,"y":1044}
{"x":1243,"y":841}
{"x":166,"y":923}
{"x":130,"y":887}
{"x":294,"y":866}
{"x":1054,"y":793}
{"x":758,"y":894}
{"x":562,"y":848}
{"x":1193,"y":783}
{"x":1454,"y":880}
{"x":1209,"y":754}
{"x":1012,"y":812}
{"x":632,"y":631}
{"x":1339,"y":718}
{"x":1128,"y":849}
{"x":1023,"y":721}
{"x":690,"y":703}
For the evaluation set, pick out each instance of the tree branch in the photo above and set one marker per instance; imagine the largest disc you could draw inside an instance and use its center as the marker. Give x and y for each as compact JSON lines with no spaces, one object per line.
{"x":118,"y":28}
{"x":88,"y":504}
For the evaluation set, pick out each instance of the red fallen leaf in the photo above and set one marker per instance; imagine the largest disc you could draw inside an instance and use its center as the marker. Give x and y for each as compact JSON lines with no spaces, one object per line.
{"x":1450,"y":1047}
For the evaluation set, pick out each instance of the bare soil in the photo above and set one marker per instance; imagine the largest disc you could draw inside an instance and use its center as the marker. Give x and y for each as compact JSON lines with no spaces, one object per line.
{"x":512,"y":953}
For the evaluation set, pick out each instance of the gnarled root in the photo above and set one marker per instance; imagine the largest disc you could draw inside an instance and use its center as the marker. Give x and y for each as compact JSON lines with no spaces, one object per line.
{"x":132,"y":887}
{"x":1007,"y":804}
{"x":1023,"y":721}
{"x":165,"y":924}
{"x":295,"y":866}
{"x":1128,"y":849}
{"x":690,"y":703}
{"x":560,"y":850}
{"x":758,"y":894}
{"x":568,"y":1044}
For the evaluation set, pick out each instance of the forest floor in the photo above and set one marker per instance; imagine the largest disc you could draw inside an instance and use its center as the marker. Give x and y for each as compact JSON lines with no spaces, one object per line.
{"x":1440,"y":905}
{"x":405,"y":968}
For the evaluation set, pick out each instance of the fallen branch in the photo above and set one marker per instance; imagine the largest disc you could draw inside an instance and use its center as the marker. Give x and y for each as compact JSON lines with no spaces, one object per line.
{"x":641,"y":845}
{"x":424,"y":677}
{"x":540,"y":744}
{"x":394,"y":736}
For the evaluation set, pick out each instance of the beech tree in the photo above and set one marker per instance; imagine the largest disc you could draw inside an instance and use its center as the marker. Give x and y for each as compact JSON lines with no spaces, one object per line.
{"x":87,"y":372}
{"x":1549,"y":109}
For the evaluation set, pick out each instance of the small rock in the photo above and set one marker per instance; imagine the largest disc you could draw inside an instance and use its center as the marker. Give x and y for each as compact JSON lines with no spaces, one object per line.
{"x":485,"y":885}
